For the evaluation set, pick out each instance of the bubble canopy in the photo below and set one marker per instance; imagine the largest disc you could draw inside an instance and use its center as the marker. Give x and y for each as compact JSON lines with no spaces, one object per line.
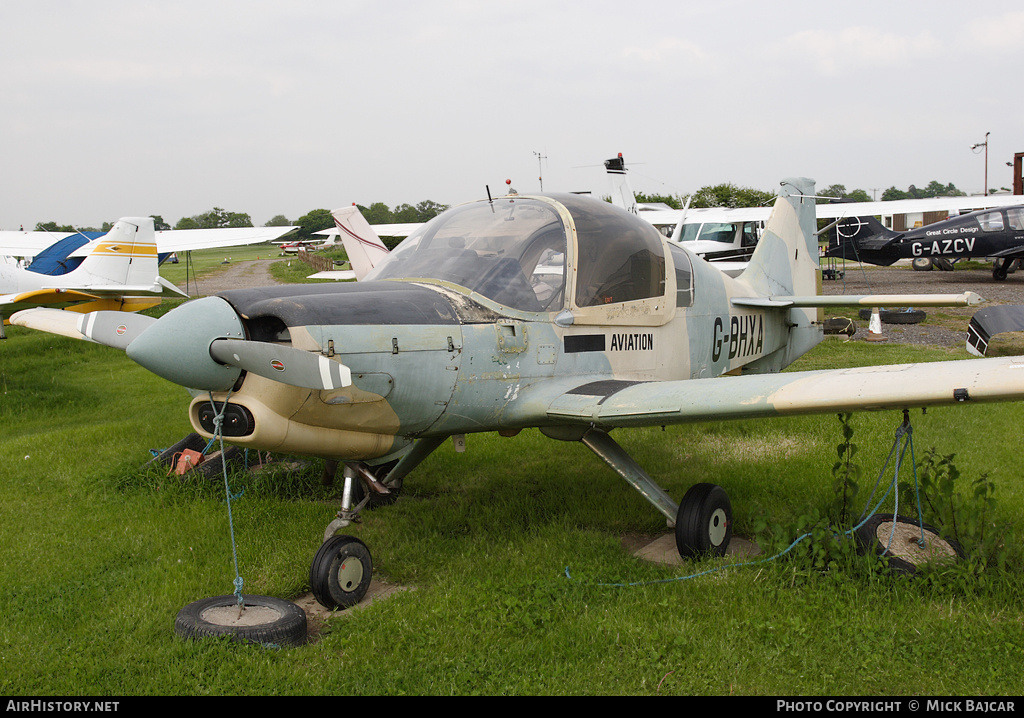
{"x":513,"y":251}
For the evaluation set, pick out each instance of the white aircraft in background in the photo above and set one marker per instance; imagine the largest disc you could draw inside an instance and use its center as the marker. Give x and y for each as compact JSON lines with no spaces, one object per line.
{"x":726,"y":236}
{"x":18,"y":243}
{"x":120,"y":272}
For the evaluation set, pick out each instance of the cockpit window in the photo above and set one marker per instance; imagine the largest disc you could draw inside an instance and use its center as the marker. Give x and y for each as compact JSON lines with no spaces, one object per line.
{"x":511,"y":250}
{"x":1016,"y":217}
{"x":991,"y":222}
{"x":621,"y":257}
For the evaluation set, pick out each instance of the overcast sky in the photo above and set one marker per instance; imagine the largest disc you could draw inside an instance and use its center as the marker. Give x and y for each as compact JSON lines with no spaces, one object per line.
{"x":112,"y":108}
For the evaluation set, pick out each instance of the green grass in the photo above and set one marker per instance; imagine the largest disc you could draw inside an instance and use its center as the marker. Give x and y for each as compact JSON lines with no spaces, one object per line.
{"x":98,"y":554}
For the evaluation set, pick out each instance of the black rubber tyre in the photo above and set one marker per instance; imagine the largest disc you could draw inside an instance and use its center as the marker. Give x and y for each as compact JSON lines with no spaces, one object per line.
{"x":704,"y":522}
{"x":840,"y":325}
{"x":942,"y":263}
{"x":341,"y":571}
{"x":213,"y":467}
{"x":896,"y":316}
{"x":266,"y":620}
{"x":905,"y":554}
{"x":922,"y":264}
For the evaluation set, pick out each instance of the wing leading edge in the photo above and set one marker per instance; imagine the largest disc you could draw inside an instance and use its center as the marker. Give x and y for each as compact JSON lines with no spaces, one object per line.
{"x":612,"y":404}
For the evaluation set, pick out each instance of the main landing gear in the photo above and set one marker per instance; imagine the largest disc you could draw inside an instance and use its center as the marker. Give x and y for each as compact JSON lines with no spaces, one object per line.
{"x":703,"y":521}
{"x":342,"y":569}
{"x":1001,"y":267}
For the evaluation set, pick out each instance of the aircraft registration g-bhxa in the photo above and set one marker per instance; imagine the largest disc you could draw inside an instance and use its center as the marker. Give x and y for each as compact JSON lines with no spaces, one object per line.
{"x":559,"y":312}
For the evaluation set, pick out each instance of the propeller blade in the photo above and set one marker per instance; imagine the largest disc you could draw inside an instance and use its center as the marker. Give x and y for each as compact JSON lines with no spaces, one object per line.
{"x":114,"y":329}
{"x":282,"y":364}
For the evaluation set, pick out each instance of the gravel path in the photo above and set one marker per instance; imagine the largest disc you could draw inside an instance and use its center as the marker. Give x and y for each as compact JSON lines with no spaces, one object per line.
{"x":237,"y":275}
{"x":943,"y":326}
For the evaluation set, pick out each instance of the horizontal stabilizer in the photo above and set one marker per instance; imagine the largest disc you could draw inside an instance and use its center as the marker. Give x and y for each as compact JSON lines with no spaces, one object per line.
{"x":967,"y":299}
{"x":337,"y":274}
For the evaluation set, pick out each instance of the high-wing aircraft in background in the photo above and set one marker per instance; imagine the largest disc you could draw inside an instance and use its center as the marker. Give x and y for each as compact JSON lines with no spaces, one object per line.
{"x":120,"y":272}
{"x":993,"y":233}
{"x":31,"y":244}
{"x":726,"y":236}
{"x":456,"y":332}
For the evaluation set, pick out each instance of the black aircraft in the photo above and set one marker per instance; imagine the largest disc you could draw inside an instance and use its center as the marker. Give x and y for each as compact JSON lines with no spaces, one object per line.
{"x":994,"y":233}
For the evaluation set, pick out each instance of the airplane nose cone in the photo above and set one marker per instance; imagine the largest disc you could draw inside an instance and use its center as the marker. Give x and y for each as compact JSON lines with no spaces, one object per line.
{"x":177,"y":346}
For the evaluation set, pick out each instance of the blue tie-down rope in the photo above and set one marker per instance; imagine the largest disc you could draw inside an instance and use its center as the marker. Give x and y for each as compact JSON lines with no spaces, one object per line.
{"x":904,"y":430}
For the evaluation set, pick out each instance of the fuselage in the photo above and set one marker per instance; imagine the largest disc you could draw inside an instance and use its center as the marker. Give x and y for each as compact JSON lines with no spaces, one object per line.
{"x":482,"y":316}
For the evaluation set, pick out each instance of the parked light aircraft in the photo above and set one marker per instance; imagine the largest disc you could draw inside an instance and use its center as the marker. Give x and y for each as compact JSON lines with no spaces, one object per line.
{"x":726,"y":236}
{"x":27,"y":245}
{"x":452,"y":334}
{"x":994,"y":233}
{"x":120,"y":272}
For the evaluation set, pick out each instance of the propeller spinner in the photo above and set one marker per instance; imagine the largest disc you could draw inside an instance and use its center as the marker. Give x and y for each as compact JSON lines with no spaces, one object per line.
{"x":202,"y":345}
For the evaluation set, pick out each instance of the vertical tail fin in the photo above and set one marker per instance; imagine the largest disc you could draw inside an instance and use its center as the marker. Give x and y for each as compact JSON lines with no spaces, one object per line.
{"x":785,"y":261}
{"x":125,"y":255}
{"x":364,"y":248}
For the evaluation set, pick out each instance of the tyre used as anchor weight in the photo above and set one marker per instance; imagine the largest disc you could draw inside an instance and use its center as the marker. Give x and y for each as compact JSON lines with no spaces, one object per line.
{"x":704,"y":522}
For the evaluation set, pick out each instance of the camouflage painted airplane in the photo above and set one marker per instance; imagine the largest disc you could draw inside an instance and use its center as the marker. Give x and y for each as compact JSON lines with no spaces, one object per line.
{"x":559,"y":312}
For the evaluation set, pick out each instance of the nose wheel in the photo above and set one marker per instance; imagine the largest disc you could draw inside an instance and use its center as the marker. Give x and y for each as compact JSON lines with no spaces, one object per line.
{"x":704,"y":522}
{"x":341,"y":572}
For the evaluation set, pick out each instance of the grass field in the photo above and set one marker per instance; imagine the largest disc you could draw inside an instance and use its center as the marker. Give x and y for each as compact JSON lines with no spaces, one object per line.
{"x":513,"y":554}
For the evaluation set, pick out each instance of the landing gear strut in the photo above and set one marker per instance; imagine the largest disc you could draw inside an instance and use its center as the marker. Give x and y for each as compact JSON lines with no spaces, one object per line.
{"x":1000,"y":268}
{"x":342,"y":568}
{"x":703,"y":521}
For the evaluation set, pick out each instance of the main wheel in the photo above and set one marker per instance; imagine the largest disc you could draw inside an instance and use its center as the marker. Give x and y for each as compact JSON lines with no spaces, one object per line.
{"x":901,"y":542}
{"x":264,"y":620}
{"x":922,"y":264}
{"x":704,"y":522}
{"x":341,"y":572}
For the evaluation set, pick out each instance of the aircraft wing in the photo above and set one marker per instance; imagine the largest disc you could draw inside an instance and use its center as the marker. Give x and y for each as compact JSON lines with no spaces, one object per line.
{"x":185,"y":240}
{"x":836,"y":210}
{"x":28,"y":244}
{"x":611,"y":404}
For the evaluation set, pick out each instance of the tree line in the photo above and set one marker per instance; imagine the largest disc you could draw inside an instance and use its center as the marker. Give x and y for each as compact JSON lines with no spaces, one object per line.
{"x":309,"y":223}
{"x":730,"y":195}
